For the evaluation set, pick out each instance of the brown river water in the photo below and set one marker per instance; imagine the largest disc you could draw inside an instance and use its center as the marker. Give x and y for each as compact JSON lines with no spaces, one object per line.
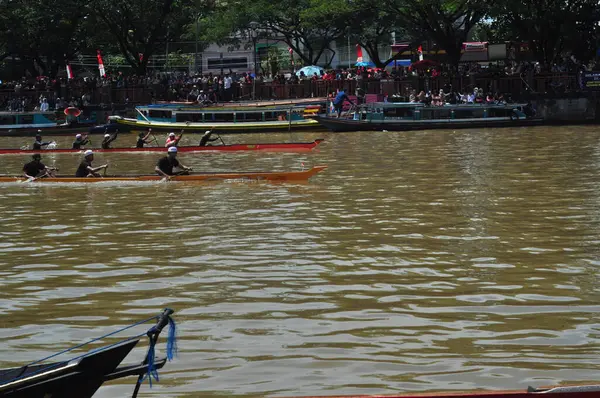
{"x":419,"y":261}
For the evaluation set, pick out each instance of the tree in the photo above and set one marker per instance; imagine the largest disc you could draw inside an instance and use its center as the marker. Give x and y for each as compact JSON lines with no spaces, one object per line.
{"x":446,"y":22}
{"x":139,"y":26}
{"x":28,"y":24}
{"x":308,"y":27}
{"x":372,"y":29}
{"x":550,"y":27}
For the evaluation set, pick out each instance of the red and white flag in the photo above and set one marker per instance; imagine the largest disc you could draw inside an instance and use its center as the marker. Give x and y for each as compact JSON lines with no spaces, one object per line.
{"x":359,"y":57}
{"x":291,"y":55}
{"x":69,"y":72}
{"x":420,"y":51}
{"x":100,"y":64}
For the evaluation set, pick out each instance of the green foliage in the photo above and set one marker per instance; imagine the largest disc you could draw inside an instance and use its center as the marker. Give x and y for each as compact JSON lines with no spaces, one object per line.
{"x":307,"y":26}
{"x":179,"y":60}
{"x":445,"y":22}
{"x":277,"y":60}
{"x":550,"y":27}
{"x":139,"y":27}
{"x":42,"y":36}
{"x":371,"y":27}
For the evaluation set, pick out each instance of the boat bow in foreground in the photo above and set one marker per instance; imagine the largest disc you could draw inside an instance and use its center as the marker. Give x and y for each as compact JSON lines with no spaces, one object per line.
{"x":82,"y":376}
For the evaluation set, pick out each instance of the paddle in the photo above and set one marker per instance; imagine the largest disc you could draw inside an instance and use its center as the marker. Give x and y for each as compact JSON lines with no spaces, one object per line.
{"x":32,"y":179}
{"x":179,"y":173}
{"x":222,"y":142}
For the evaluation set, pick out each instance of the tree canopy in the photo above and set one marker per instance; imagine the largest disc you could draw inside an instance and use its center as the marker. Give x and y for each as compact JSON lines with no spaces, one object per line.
{"x":43,"y":36}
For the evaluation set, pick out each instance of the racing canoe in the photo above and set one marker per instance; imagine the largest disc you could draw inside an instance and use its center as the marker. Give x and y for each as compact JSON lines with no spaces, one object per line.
{"x":268,"y":147}
{"x":252,"y":175}
{"x":582,"y":391}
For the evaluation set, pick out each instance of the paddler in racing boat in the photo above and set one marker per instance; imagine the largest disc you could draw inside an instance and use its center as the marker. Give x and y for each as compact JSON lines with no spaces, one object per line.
{"x":165,"y":165}
{"x":80,"y":141}
{"x":108,"y":139}
{"x":86,"y":169}
{"x":36,"y":169}
{"x":206,"y":138}
{"x":38,"y":143}
{"x":173,"y":140}
{"x":143,"y":139}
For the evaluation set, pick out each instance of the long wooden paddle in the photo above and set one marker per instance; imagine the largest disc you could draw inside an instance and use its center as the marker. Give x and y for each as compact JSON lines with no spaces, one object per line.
{"x":179,"y":173}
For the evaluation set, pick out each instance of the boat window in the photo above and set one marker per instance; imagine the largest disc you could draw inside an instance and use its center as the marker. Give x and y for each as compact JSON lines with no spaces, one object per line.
{"x":188,"y":117}
{"x":281,"y":116}
{"x":223,"y":117}
{"x":250,"y":116}
{"x":157,"y":114}
{"x":5,"y":119}
{"x":426,"y":114}
{"x":442,"y":113}
{"x":398,"y":112}
{"x":26,"y":119}
{"x":468,"y":113}
{"x":499,"y":112}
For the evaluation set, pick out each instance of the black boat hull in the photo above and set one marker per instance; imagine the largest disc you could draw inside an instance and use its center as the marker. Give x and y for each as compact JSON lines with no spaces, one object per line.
{"x":81,"y":378}
{"x":348,"y":125}
{"x":56,"y":130}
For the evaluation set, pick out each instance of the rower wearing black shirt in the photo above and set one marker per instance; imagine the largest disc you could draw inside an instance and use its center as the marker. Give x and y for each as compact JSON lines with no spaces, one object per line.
{"x":80,"y":141}
{"x":206,"y":138}
{"x":38,"y":143}
{"x":86,"y":169}
{"x":143,"y":139}
{"x":165,"y":165}
{"x":36,"y":169}
{"x":108,"y":139}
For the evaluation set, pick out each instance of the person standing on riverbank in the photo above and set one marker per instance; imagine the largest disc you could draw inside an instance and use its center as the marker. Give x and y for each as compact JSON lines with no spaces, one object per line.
{"x":227,"y":82}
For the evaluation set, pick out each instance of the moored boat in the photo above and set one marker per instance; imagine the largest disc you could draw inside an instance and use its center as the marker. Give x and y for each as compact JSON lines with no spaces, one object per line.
{"x":233,"y":120}
{"x":265,"y":147}
{"x":20,"y":124}
{"x":282,"y":176}
{"x":401,"y":116}
{"x":82,"y":376}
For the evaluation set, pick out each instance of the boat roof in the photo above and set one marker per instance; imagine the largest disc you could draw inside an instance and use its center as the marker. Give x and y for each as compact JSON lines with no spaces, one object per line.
{"x":221,"y":110}
{"x":253,"y":104}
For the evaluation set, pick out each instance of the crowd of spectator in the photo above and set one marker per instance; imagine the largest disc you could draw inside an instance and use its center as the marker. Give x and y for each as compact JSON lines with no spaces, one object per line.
{"x":219,"y":87}
{"x":448,"y":95}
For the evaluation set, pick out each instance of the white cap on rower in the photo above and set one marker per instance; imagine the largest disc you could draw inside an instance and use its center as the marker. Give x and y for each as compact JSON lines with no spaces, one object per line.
{"x":171,"y":134}
{"x":78,"y":136}
{"x":172,"y":149}
{"x":88,"y":153}
{"x":207,"y":132}
{"x":107,"y":135}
